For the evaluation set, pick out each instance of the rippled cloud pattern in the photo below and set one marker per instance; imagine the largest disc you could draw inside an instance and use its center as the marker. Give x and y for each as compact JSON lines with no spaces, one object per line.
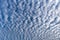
{"x":29,"y":19}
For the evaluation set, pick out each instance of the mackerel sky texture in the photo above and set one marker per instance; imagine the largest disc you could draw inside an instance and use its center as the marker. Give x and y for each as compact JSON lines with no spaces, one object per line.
{"x":29,"y":19}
